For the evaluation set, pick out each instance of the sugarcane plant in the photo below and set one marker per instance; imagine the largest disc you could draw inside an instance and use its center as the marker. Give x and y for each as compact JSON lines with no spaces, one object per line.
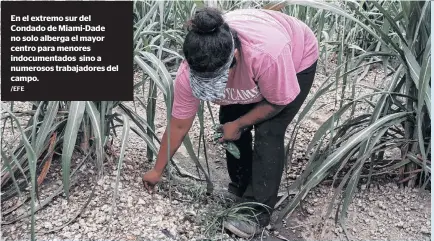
{"x":54,"y":131}
{"x":349,"y":146}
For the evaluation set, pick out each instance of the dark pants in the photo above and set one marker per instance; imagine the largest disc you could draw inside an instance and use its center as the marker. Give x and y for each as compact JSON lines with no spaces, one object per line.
{"x":257,"y":174}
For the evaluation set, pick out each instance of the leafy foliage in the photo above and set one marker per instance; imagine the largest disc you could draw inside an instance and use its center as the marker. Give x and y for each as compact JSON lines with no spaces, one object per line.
{"x":229,"y":146}
{"x":399,"y":115}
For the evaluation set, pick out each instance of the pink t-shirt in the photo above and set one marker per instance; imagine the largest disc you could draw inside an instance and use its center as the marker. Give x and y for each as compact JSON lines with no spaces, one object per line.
{"x":275,"y":47}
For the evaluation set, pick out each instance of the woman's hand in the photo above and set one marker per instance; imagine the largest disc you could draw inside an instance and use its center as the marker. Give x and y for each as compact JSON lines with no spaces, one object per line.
{"x":150,"y":179}
{"x":231,"y":131}
{"x":178,"y":129}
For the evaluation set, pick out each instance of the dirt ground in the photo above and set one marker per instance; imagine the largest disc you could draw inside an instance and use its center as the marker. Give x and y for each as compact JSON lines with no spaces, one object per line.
{"x":382,"y":211}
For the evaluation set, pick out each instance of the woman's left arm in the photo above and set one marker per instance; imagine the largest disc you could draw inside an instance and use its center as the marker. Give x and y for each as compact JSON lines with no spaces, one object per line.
{"x":264,"y":110}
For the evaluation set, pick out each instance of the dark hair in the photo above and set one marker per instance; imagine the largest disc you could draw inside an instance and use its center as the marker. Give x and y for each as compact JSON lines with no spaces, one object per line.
{"x":208,"y":43}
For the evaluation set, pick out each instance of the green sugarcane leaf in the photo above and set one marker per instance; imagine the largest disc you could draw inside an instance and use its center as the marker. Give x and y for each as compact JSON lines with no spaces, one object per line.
{"x":124,"y":145}
{"x":45,"y":129}
{"x":354,"y":180}
{"x":151,"y":72}
{"x":97,"y":127}
{"x":322,"y":171}
{"x":31,"y":156}
{"x":75,"y":117}
{"x":228,"y":145}
{"x":425,"y":77}
{"x":391,"y":21}
{"x":9,"y":169}
{"x":327,"y":124}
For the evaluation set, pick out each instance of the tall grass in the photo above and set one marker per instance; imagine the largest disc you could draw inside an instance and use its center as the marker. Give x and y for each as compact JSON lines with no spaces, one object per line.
{"x":360,"y":36}
{"x":55,"y":127}
{"x":399,"y":116}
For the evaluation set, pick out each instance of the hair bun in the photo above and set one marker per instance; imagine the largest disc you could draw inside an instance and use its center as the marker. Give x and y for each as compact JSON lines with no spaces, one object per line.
{"x":206,"y":20}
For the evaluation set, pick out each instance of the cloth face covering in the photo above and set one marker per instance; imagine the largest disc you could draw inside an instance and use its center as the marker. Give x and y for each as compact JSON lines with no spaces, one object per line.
{"x":210,"y":86}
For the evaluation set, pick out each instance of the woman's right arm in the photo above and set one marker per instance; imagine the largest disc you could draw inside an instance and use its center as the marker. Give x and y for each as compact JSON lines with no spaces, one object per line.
{"x":178,"y":130}
{"x":184,"y":107}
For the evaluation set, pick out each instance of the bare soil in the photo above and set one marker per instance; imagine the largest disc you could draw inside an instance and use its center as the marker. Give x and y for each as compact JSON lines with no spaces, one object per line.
{"x":180,"y":209}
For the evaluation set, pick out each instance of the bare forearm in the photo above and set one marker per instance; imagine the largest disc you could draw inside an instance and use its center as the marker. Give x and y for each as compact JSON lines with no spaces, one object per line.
{"x":261,"y":112}
{"x":176,"y":137}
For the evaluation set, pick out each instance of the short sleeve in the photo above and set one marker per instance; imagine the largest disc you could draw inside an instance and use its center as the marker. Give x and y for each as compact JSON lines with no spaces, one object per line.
{"x":185,"y":105}
{"x":278,"y":83}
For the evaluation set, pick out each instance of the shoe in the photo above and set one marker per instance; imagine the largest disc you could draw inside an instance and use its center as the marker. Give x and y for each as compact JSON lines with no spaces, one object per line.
{"x":241,"y":228}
